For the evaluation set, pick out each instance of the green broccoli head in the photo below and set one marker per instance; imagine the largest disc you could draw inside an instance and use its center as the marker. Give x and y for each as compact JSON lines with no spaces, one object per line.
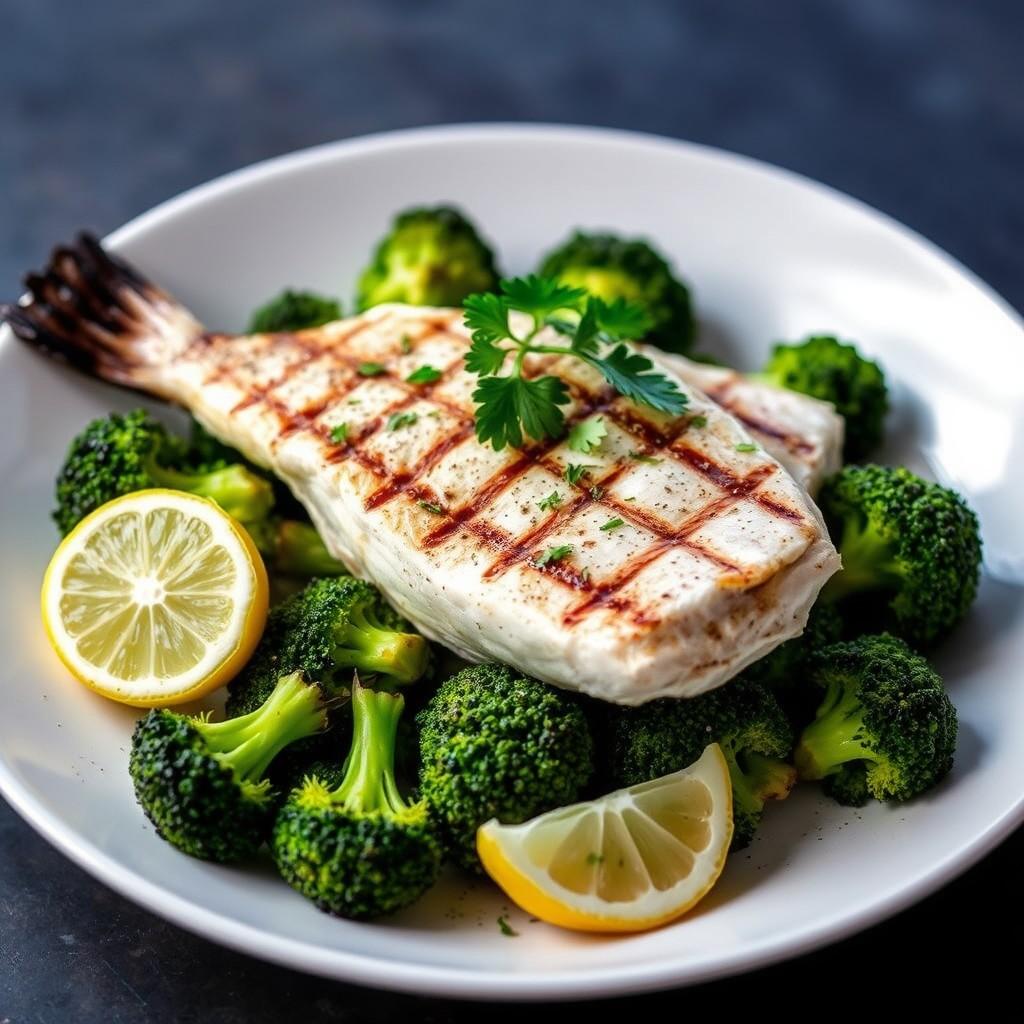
{"x":825,"y":368}
{"x":615,"y":268}
{"x":329,"y":628}
{"x":119,"y":454}
{"x":911,"y":552}
{"x":743,"y":717}
{"x":356,"y":848}
{"x":294,"y":311}
{"x":496,"y":744}
{"x":202,"y":783}
{"x":885,"y":728}
{"x":430,"y":257}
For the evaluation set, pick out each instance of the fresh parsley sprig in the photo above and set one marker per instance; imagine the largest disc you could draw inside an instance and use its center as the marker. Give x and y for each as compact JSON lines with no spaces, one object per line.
{"x":510,"y":406}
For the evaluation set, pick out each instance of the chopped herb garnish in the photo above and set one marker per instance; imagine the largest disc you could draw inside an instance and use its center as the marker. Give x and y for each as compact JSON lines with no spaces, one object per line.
{"x":555,"y":554}
{"x":431,"y":506}
{"x":339,"y":433}
{"x":639,"y":457}
{"x":595,"y":858}
{"x":613,"y":524}
{"x":746,"y":446}
{"x":511,"y":406}
{"x":699,"y":421}
{"x":397,"y":420}
{"x":597,"y":493}
{"x":370,"y":370}
{"x":553,"y":500}
{"x":406,"y":344}
{"x":434,"y":414}
{"x":574,"y":472}
{"x":424,"y":375}
{"x":587,"y":435}
{"x":355,"y":401}
{"x":633,"y":498}
{"x":506,"y":928}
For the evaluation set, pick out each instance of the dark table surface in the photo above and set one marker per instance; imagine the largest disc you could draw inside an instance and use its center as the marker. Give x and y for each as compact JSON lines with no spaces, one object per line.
{"x":916,"y":106}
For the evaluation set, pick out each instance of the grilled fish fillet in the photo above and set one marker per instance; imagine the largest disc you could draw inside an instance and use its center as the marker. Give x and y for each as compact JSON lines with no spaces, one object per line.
{"x":803,"y":433}
{"x":685,"y":555}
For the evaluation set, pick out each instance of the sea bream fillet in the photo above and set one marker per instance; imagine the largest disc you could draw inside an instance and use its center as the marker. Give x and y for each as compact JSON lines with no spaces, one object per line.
{"x":684,"y":554}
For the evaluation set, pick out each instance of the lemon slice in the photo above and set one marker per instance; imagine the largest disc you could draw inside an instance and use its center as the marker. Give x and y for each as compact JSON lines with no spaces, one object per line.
{"x":631,"y":860}
{"x":156,"y":598}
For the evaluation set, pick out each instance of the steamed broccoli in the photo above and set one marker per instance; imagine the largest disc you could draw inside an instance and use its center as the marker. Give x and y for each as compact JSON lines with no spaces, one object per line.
{"x":119,"y":454}
{"x":615,"y":268}
{"x":430,"y":257}
{"x":825,"y":368}
{"x":294,"y":311}
{"x":744,"y":717}
{"x":202,"y":783}
{"x":911,"y":552}
{"x":358,"y":849}
{"x":328,"y":629}
{"x":885,"y":729}
{"x":496,"y":744}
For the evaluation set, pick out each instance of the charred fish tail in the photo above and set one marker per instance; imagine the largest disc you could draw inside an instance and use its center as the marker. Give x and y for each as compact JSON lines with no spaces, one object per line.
{"x":98,"y":313}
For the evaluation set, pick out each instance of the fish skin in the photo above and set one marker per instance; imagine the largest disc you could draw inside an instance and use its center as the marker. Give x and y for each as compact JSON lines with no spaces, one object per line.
{"x":672,"y":603}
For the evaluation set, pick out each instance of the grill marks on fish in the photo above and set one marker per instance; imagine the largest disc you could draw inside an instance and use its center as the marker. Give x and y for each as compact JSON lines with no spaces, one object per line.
{"x":758,"y":424}
{"x":508,"y":551}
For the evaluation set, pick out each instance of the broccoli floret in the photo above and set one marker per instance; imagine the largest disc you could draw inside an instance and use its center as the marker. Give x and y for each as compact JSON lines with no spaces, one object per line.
{"x":202,"y":783}
{"x":885,"y":729}
{"x":294,"y":311}
{"x":119,"y":454}
{"x":825,"y":368}
{"x":294,"y":548}
{"x":359,"y":850}
{"x":616,"y":268}
{"x":496,"y":744}
{"x":743,"y":716}
{"x":326,"y":630}
{"x":911,"y":552}
{"x":430,"y":257}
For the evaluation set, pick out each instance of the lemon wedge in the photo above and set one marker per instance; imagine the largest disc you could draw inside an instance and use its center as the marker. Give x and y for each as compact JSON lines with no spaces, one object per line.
{"x":156,"y":598}
{"x":632,"y":860}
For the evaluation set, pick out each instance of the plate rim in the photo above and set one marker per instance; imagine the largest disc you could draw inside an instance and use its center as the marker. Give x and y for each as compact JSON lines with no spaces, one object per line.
{"x":470,"y":983}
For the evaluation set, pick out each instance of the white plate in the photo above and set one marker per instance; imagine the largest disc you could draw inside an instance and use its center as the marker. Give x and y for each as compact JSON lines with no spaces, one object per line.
{"x":770,"y":256}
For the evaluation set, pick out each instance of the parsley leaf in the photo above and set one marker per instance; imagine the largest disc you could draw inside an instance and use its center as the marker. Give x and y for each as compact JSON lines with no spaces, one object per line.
{"x":587,"y":435}
{"x":555,"y":554}
{"x":370,"y":369}
{"x":638,"y":457}
{"x":424,"y":375}
{"x":621,"y":320}
{"x":431,"y":506}
{"x":540,"y":296}
{"x":575,"y":472}
{"x":506,"y":929}
{"x":613,"y":524}
{"x":553,"y":500}
{"x":508,"y":407}
{"x":634,"y":376}
{"x":746,"y":446}
{"x":339,"y":433}
{"x":699,"y":421}
{"x":397,"y":420}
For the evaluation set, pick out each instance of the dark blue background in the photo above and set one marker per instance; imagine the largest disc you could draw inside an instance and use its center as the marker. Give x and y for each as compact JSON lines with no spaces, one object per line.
{"x":916,"y":106}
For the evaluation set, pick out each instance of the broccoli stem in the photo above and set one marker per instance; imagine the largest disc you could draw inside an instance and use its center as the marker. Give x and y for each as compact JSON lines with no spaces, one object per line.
{"x":834,"y":737}
{"x":756,"y":778}
{"x":867,"y":564}
{"x":366,"y":645}
{"x":300,"y":551}
{"x":369,"y":784}
{"x":247,"y":745}
{"x":240,"y":492}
